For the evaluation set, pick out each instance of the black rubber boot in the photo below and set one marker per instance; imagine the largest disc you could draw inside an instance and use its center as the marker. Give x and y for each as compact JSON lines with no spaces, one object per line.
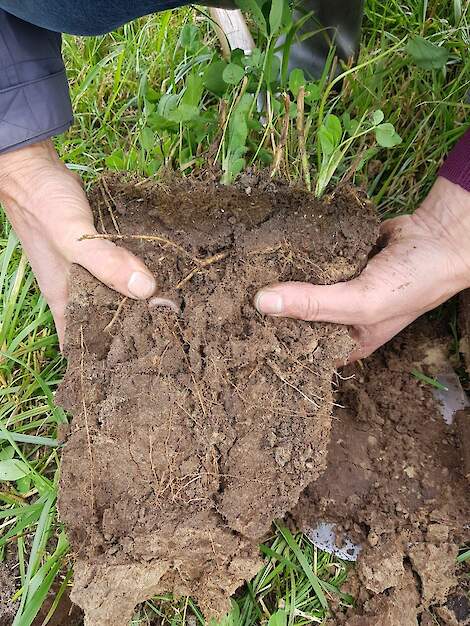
{"x":336,"y":22}
{"x":333,"y":22}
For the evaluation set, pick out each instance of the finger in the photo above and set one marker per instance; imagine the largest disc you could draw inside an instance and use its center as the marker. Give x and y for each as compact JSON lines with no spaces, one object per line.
{"x":58,"y":313}
{"x":392,"y":227}
{"x":344,"y":303}
{"x":370,"y":338}
{"x":51,"y":271}
{"x":115,"y":267}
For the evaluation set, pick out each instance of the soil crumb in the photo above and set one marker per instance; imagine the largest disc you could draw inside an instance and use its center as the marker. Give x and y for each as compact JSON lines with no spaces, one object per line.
{"x":395,"y":482}
{"x":197,"y":423}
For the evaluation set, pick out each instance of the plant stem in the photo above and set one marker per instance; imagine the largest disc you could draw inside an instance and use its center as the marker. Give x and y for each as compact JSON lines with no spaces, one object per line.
{"x":301,"y":138}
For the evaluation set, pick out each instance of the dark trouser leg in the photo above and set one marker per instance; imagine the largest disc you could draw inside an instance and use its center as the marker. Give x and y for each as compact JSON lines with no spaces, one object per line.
{"x":84,"y":17}
{"x":220,"y":4}
{"x":337,"y":21}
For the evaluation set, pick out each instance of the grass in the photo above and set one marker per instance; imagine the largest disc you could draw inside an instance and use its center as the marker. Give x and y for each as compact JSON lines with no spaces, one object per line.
{"x":127,"y":88}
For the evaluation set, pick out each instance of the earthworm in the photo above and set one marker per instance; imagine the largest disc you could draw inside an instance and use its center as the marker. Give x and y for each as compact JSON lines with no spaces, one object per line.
{"x":166,"y":302}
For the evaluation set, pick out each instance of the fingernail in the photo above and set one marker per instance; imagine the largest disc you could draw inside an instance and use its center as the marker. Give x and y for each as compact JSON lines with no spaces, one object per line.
{"x":268,"y":302}
{"x":141,"y":285}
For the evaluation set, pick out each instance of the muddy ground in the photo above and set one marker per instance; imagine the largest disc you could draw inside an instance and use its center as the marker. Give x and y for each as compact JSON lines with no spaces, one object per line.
{"x":395,"y":483}
{"x":194,"y":428}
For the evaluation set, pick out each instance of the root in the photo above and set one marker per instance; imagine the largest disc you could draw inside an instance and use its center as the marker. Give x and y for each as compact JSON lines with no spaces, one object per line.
{"x":107,"y":194}
{"x":163,"y":240}
{"x":108,"y":327}
{"x":193,"y":378}
{"x":202,"y":263}
{"x":85,"y":417}
{"x":277,"y":372}
{"x":266,"y":250}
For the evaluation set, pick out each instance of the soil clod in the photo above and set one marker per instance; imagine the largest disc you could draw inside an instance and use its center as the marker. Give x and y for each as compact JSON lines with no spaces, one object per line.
{"x":464,"y":326}
{"x":193,"y":429}
{"x":196,"y":421}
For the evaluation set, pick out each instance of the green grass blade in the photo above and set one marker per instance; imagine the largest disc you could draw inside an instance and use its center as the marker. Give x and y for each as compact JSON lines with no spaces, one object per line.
{"x":294,"y":546}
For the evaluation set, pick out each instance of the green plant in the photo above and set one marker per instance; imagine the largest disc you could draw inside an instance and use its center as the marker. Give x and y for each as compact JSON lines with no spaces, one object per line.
{"x":336,"y":138}
{"x":233,"y":161}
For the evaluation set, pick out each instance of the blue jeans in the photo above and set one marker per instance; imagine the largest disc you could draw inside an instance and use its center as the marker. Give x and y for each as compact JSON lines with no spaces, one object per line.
{"x":85,"y":17}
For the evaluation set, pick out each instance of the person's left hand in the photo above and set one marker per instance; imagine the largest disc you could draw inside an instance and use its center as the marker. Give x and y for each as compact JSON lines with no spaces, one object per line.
{"x":425,"y":260}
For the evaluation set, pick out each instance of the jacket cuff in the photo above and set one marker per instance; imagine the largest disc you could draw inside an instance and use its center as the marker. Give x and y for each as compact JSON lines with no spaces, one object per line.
{"x":33,"y":111}
{"x":456,"y":167}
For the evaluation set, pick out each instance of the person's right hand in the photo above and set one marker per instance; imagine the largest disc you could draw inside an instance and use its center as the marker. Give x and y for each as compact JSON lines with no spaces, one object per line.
{"x":49,"y":211}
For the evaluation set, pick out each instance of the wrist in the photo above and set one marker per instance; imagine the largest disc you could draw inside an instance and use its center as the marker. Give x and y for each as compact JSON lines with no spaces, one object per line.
{"x":21,"y":169}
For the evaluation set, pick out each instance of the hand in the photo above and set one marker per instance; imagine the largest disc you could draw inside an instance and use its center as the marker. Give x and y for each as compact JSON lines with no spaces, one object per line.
{"x":49,"y":212}
{"x":425,"y":260}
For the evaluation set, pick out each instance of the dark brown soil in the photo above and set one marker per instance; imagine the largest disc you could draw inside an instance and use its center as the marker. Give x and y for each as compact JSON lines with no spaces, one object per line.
{"x":395,"y":482}
{"x":192,"y":431}
{"x":463,"y":418}
{"x":66,"y":613}
{"x":462,"y":422}
{"x":7,"y":589}
{"x":464,"y":326}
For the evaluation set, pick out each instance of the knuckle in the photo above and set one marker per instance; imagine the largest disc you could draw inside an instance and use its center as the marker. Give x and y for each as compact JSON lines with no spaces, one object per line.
{"x":309,"y":308}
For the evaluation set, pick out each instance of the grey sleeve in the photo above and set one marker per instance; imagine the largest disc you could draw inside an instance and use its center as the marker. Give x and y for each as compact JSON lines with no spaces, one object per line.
{"x":34,"y":96}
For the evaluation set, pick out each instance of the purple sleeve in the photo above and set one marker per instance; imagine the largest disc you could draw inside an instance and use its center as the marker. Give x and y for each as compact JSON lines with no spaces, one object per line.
{"x":456,"y":167}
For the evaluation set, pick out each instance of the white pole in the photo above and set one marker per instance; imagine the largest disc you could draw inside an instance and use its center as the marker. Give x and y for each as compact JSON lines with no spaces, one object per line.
{"x":232,"y":31}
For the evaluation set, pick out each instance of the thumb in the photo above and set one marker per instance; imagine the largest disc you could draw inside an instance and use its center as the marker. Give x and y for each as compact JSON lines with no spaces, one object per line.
{"x":116,"y":267}
{"x":369,"y":338}
{"x":343,"y":303}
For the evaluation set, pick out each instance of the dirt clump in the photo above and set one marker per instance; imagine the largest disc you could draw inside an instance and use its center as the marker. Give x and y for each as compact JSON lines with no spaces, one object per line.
{"x":198,"y":423}
{"x":395,"y":482}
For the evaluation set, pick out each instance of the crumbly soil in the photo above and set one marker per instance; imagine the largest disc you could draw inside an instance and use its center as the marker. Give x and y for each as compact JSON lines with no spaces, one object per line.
{"x":464,"y":327}
{"x":193,"y":429}
{"x":395,"y":483}
{"x":463,"y":417}
{"x":7,"y":589}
